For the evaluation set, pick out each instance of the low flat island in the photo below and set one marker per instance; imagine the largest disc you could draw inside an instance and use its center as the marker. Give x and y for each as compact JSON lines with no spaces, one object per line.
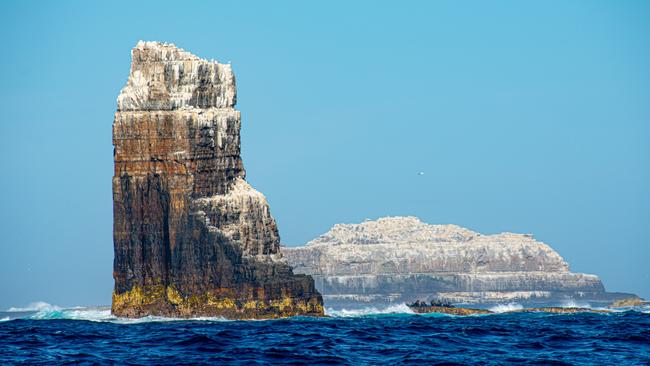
{"x":423,"y":308}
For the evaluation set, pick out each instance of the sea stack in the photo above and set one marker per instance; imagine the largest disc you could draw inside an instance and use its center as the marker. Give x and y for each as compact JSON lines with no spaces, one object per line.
{"x":402,"y":259}
{"x":191,"y":236}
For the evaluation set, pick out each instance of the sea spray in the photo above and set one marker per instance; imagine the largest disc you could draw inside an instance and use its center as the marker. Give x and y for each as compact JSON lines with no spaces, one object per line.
{"x":504,"y":308}
{"x":103,"y":314}
{"x":34,"y":306}
{"x":575,"y":304}
{"x":367,"y":311}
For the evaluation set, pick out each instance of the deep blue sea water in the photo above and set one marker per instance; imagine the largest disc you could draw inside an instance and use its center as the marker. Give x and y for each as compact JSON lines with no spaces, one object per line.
{"x":93,"y":336}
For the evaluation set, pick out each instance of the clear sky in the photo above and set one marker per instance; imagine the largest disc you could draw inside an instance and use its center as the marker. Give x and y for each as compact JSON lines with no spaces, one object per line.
{"x":530,"y":117}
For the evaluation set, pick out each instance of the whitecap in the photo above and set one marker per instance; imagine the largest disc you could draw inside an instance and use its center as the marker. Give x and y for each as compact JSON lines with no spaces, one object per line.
{"x":5,"y":319}
{"x":103,"y":314}
{"x":78,"y":313}
{"x":392,"y":309}
{"x":575,"y":304}
{"x":504,"y":308}
{"x":211,"y":319}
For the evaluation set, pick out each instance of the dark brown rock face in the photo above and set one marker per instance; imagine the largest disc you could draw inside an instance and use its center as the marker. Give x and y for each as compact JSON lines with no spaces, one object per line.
{"x":191,"y":237}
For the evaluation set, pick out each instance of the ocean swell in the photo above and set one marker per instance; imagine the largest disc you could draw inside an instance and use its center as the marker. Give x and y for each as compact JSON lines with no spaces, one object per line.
{"x":45,"y":311}
{"x":356,"y":337}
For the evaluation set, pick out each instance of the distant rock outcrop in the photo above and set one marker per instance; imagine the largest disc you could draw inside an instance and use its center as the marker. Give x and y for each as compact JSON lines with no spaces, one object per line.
{"x":629,"y":302}
{"x":191,"y":237}
{"x":401,"y":259}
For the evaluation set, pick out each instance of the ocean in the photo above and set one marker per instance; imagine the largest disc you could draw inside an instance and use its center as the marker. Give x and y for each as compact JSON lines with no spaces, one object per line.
{"x":391,"y":336}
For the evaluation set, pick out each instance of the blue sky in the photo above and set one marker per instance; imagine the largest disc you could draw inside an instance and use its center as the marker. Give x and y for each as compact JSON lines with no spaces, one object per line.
{"x":529,"y":117}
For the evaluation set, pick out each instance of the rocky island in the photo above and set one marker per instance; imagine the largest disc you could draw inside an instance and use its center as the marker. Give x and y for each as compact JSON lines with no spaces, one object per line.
{"x":191,"y":236}
{"x":462,"y":311}
{"x":401,"y":259}
{"x":629,"y":302}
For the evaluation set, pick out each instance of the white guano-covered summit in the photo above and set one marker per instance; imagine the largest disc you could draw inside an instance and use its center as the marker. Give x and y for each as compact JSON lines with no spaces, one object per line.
{"x":165,"y":77}
{"x":407,"y":245}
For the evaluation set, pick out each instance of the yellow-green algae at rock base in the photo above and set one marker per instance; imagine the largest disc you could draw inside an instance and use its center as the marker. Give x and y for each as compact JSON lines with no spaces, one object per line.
{"x":160,"y":300}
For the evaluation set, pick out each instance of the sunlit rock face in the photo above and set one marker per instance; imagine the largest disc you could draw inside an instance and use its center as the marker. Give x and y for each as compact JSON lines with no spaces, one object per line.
{"x":191,"y":236}
{"x":401,"y":259}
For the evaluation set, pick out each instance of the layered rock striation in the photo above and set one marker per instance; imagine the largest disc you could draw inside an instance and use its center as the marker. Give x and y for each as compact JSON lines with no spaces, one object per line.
{"x":191,"y":236}
{"x":401,"y":259}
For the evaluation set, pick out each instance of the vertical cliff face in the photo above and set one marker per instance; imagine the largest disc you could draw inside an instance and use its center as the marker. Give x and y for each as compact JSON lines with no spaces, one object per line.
{"x":191,"y":236}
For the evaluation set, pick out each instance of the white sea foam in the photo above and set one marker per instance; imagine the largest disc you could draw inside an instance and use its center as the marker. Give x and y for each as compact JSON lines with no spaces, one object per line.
{"x":575,"y":304}
{"x":5,"y":319}
{"x":103,"y":314}
{"x":149,"y":319}
{"x":392,"y":309}
{"x":44,"y":311}
{"x":504,"y":308}
{"x":76,"y":313}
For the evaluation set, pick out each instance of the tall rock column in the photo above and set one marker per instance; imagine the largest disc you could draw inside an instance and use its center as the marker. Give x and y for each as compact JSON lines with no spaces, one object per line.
{"x":191,"y":236}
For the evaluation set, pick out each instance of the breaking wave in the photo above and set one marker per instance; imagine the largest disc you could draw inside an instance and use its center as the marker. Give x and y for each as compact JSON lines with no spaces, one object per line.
{"x":504,"y":308}
{"x":575,"y":304}
{"x":586,"y":305}
{"x":34,"y":306}
{"x":367,"y":311}
{"x":104,"y":315}
{"x":45,"y":311}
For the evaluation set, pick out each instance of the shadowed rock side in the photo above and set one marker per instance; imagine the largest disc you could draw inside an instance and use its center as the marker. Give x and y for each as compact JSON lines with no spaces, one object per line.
{"x":191,"y":237}
{"x":401,"y":259}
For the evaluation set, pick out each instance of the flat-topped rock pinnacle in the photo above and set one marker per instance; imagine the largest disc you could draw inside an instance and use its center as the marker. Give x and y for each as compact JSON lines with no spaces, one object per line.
{"x":191,"y":236}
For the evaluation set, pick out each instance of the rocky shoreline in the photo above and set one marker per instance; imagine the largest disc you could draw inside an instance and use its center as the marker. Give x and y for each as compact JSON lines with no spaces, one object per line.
{"x":452,"y":310}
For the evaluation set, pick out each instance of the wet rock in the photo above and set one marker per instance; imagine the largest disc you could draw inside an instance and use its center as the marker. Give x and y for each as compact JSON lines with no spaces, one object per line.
{"x":472,"y":311}
{"x":561,"y":310}
{"x":449,"y":310}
